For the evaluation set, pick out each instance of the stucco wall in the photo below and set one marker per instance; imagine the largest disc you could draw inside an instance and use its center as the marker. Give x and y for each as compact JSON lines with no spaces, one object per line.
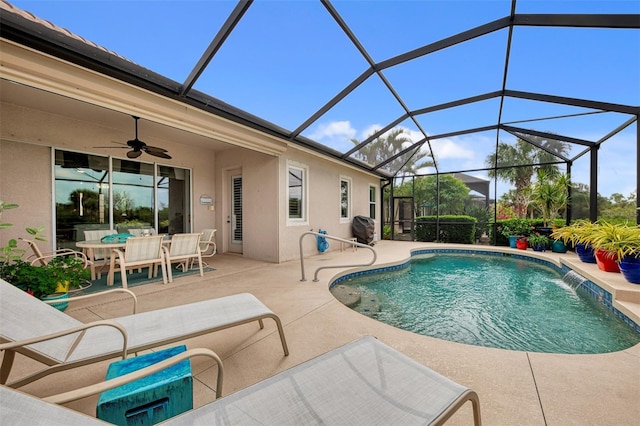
{"x":323,"y":202}
{"x":25,"y":179}
{"x":260,"y":201}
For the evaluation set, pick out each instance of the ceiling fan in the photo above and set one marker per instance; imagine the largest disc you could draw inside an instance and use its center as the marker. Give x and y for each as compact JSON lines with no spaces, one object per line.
{"x":138,"y":147}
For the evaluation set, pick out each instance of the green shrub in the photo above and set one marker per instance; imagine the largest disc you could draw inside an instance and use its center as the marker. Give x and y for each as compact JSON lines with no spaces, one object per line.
{"x":453,"y":229}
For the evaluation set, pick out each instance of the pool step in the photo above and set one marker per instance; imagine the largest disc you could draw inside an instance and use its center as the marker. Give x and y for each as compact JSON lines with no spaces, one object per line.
{"x":369,"y":304}
{"x":346,"y":295}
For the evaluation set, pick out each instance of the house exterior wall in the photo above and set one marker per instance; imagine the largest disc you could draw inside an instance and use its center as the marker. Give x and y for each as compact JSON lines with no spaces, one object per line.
{"x":323,"y":201}
{"x":259,"y":191}
{"x":25,"y":179}
{"x":28,"y":135}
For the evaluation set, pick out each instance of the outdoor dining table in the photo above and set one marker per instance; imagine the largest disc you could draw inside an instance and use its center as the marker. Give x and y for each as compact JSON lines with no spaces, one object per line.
{"x":90,"y":246}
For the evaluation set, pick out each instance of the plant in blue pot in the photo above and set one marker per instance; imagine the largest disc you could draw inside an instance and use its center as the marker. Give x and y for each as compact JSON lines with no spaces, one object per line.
{"x":577,"y":234}
{"x":538,"y":242}
{"x":622,"y":242}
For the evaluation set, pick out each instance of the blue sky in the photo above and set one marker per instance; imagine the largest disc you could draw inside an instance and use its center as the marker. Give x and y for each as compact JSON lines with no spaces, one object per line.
{"x":286,"y":59}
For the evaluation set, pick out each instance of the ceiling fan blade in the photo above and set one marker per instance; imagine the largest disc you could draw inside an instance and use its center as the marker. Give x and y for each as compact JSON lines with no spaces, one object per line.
{"x":150,"y":149}
{"x":159,"y":154}
{"x":134,"y":154}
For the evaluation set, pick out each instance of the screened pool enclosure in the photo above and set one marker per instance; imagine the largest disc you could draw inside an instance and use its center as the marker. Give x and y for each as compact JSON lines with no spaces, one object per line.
{"x":417,"y":93}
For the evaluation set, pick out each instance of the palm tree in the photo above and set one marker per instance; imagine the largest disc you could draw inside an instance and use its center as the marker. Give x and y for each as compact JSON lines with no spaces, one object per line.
{"x":382,"y":148}
{"x":518,"y":164}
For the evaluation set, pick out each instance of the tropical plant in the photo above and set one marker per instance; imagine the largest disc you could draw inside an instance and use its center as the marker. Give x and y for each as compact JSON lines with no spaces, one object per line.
{"x":11,"y":252}
{"x":578,"y":232}
{"x":516,"y":164}
{"x":392,"y":144}
{"x":537,"y":240}
{"x":619,"y":240}
{"x":550,"y":194}
{"x":515,"y":227}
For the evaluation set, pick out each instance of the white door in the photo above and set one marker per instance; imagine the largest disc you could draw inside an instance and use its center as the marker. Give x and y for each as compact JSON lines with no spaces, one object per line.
{"x":235,"y":217}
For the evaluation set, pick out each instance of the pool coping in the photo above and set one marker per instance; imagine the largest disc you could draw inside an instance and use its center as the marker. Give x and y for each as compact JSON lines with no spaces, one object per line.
{"x":595,"y":286}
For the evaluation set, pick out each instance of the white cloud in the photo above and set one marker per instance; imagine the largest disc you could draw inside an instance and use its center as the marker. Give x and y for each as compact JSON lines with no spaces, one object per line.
{"x":446,"y":149}
{"x":335,"y":129}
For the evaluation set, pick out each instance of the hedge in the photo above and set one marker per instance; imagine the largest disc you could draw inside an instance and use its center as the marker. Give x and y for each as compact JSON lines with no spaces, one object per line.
{"x":453,"y":229}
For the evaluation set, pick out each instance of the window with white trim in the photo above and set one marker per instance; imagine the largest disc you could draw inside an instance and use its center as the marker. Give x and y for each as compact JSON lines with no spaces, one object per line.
{"x":373,"y":190}
{"x":345,"y":198}
{"x":297,"y":193}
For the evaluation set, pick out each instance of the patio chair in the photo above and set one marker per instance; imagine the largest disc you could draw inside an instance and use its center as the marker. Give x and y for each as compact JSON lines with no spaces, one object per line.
{"x":142,"y":232}
{"x":364,"y":382}
{"x":138,"y":252}
{"x":208,"y":243}
{"x":184,"y":248}
{"x":99,"y":257}
{"x":38,"y":331}
{"x":43,"y":258}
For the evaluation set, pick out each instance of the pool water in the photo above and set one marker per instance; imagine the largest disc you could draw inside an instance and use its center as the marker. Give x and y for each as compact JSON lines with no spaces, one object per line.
{"x":492,"y":301}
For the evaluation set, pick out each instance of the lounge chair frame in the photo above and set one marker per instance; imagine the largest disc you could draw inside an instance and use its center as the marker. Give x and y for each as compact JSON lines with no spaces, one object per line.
{"x":73,"y":344}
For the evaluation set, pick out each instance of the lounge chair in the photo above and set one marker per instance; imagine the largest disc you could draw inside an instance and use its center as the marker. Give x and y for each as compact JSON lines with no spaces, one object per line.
{"x":59,"y":341}
{"x":184,"y":248}
{"x":364,"y":382}
{"x":138,"y":252}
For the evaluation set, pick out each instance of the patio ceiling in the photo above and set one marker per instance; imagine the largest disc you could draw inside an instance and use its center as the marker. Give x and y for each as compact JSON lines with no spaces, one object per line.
{"x":500,"y":70}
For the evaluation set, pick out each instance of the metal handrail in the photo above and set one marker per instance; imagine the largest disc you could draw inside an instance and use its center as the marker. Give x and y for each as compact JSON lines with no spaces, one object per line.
{"x":342,"y":240}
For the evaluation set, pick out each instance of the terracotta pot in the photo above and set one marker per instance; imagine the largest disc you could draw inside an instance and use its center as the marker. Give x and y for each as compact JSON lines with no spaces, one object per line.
{"x":606,"y":261}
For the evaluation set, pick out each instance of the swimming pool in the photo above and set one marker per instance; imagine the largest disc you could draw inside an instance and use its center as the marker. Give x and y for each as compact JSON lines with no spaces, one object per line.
{"x":492,"y":301}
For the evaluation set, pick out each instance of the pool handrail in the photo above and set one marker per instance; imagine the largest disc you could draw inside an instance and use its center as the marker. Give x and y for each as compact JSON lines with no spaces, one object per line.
{"x":342,"y":240}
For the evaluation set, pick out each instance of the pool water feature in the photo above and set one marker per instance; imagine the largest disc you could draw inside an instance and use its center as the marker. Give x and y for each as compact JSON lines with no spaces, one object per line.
{"x":492,"y":301}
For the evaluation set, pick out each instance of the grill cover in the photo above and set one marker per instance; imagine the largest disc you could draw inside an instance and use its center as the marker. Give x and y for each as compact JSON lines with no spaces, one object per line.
{"x":363,"y":228}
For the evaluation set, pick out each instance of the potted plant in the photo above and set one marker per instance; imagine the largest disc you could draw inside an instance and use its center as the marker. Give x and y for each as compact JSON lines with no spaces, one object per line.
{"x":514,"y":228}
{"x":522,"y":242}
{"x":615,"y":244}
{"x":538,"y":242}
{"x":577,"y":234}
{"x":39,"y":281}
{"x":550,"y":195}
{"x":70,"y":272}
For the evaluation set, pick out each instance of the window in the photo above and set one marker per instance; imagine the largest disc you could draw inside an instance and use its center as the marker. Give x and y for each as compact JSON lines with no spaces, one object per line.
{"x":96,"y":192}
{"x":345,"y":198}
{"x":372,"y":201}
{"x":297,"y":193}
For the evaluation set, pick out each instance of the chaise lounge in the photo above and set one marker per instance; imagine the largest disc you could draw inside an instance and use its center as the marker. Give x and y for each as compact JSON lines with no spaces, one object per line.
{"x":364,"y":382}
{"x":61,"y":342}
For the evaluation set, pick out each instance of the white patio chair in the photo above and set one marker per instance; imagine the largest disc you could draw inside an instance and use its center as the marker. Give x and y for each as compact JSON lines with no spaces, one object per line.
{"x":62,"y":342}
{"x":42,"y":258}
{"x":184,"y":248}
{"x":208,"y":246}
{"x":99,"y":257}
{"x":142,"y":232}
{"x":138,"y":252}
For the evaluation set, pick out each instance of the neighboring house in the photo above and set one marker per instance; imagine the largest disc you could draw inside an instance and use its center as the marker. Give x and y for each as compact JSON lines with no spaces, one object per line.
{"x":61,"y":127}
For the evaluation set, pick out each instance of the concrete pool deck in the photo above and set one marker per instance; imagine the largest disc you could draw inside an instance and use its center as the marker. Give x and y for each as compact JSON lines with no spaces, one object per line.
{"x":515,"y":388}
